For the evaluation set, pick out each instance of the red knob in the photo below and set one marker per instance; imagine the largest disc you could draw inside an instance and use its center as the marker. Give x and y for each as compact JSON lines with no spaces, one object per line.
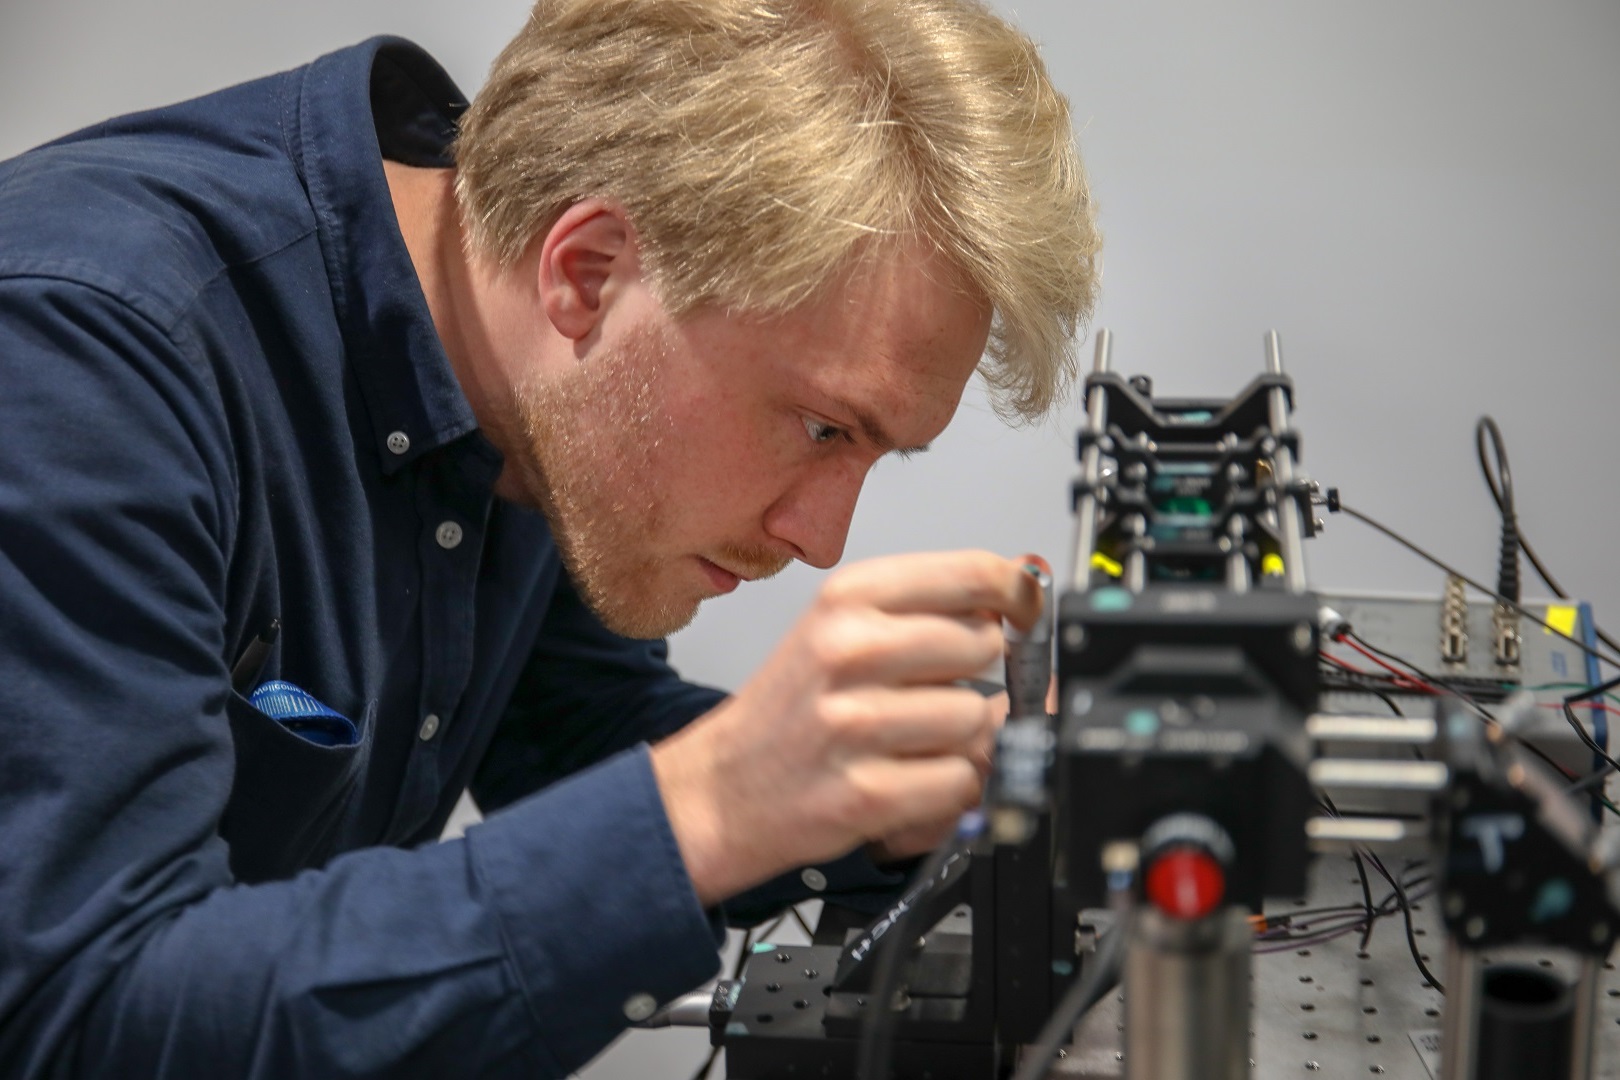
{"x":1186,"y":882}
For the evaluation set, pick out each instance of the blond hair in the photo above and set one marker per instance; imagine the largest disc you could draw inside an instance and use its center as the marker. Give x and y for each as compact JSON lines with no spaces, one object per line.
{"x":760,"y":147}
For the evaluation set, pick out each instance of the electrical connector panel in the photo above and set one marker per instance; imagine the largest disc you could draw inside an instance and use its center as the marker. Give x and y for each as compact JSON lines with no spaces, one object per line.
{"x":1416,"y":629}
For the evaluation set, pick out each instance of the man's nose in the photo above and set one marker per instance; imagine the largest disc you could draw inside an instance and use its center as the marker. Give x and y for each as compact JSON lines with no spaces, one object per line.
{"x":813,"y":516}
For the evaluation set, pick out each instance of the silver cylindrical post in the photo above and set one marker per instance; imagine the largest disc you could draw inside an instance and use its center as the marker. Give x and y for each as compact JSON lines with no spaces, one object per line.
{"x":1583,"y":1033}
{"x":1086,"y":510}
{"x":1135,"y":578}
{"x":1459,"y":1036}
{"x":1289,"y":523}
{"x":1187,"y":997}
{"x":1238,"y":578}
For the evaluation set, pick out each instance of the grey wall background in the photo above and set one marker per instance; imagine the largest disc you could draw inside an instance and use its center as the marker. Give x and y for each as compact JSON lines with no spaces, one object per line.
{"x":1419,"y":197}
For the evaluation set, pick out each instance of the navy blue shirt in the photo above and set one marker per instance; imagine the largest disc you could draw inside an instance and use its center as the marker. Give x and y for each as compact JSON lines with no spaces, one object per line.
{"x":223,"y":404}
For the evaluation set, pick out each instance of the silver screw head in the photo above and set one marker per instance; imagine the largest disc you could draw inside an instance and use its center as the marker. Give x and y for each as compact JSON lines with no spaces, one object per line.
{"x":639,"y":1007}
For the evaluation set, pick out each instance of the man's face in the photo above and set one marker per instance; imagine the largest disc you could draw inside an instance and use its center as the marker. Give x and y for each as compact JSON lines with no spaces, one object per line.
{"x":676,"y":458}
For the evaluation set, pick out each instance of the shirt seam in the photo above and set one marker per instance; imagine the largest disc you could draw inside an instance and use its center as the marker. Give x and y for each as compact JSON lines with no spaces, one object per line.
{"x":509,"y":955}
{"x":88,"y":275}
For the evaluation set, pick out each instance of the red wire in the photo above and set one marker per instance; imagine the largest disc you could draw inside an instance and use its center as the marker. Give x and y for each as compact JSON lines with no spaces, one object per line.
{"x":1583,"y":705}
{"x":1330,"y":658}
{"x":1405,"y":677}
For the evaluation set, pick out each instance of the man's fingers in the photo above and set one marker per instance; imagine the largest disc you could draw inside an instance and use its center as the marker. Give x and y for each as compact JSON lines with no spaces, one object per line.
{"x":902,"y":793}
{"x":912,"y":722}
{"x":951,"y":582}
{"x":872,"y":648}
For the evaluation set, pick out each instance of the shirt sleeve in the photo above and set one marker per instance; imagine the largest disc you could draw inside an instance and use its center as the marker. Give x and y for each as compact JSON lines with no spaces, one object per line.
{"x":585,"y":693}
{"x":126,"y":947}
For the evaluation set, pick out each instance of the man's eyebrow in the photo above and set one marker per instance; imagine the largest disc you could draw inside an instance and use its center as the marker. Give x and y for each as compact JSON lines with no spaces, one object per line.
{"x":872,"y":430}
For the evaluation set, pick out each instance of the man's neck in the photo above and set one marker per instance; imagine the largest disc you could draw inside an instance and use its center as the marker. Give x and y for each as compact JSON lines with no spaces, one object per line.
{"x":430,"y":222}
{"x":485,"y":314}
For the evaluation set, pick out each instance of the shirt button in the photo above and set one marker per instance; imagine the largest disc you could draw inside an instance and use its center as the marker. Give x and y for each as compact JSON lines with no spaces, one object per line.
{"x":640,"y":1006}
{"x":429,"y":728}
{"x":399,"y":442}
{"x":814,"y":879}
{"x":448,"y":534}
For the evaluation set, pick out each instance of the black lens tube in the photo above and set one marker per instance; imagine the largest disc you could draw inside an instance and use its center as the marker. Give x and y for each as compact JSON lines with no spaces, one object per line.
{"x":1527,"y":1023}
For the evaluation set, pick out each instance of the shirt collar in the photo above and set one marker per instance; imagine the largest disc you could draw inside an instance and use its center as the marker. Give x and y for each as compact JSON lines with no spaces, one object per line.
{"x":384,"y":97}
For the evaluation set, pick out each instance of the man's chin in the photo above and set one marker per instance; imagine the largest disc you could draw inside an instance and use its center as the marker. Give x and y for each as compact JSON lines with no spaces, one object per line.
{"x":639,"y":619}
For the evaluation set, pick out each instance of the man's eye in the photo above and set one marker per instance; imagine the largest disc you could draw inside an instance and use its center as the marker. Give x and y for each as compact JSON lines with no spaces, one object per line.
{"x":821,"y":433}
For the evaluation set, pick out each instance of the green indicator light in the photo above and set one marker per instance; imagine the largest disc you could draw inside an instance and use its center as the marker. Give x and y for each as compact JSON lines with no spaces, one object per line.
{"x":763,"y":946}
{"x":1143,"y":722}
{"x":1111,"y":599}
{"x":1190,"y":505}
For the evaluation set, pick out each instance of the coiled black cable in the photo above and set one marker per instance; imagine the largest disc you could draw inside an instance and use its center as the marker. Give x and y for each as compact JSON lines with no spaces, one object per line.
{"x":1499,"y":479}
{"x":1501,"y":485}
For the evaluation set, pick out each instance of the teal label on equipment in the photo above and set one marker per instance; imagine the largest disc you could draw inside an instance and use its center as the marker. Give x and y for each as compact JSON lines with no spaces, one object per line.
{"x":1109,"y":598}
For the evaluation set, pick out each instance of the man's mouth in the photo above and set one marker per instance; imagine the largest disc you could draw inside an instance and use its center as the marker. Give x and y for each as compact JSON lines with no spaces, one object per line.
{"x":722,"y":579}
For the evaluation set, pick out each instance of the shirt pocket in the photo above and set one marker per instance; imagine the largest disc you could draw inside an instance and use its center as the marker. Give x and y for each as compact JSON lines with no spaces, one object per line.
{"x":289,"y":796}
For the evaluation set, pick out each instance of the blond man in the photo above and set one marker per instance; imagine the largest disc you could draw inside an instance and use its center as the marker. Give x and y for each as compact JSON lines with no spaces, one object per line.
{"x":361,"y":448}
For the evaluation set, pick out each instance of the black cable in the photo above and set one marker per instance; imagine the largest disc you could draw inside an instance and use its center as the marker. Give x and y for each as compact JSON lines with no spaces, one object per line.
{"x":1337,"y":505}
{"x":1439,"y":682}
{"x":1589,"y":780}
{"x":1484,"y":713}
{"x":1595,"y":691}
{"x":707,"y":1066}
{"x":1406,"y":914}
{"x":1502,"y":493}
{"x":1501,"y":485}
{"x":1387,"y":700}
{"x":742,"y":954}
{"x":877,"y":1032}
{"x":1400,"y":893}
{"x":1335,"y":678}
{"x":1380,"y":908}
{"x":1361,"y":870}
{"x":1580,"y":733}
{"x":1100,"y":976}
{"x":1366,"y":898}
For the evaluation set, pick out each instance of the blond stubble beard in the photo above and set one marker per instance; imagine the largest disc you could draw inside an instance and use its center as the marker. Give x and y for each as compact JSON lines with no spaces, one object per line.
{"x":588,"y":441}
{"x":586,"y":455}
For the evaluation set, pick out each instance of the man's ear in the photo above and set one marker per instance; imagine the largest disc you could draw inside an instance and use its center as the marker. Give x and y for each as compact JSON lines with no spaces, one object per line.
{"x":587,"y":255}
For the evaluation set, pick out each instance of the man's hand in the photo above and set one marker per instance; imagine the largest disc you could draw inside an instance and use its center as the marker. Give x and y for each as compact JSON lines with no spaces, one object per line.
{"x":852,"y":731}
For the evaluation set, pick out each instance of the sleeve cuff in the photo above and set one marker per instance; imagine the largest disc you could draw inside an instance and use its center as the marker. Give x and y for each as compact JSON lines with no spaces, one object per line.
{"x":599,"y":917}
{"x":853,"y":881}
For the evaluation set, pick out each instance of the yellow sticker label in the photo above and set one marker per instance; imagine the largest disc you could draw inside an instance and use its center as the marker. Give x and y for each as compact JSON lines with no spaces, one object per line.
{"x":1562,"y":619}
